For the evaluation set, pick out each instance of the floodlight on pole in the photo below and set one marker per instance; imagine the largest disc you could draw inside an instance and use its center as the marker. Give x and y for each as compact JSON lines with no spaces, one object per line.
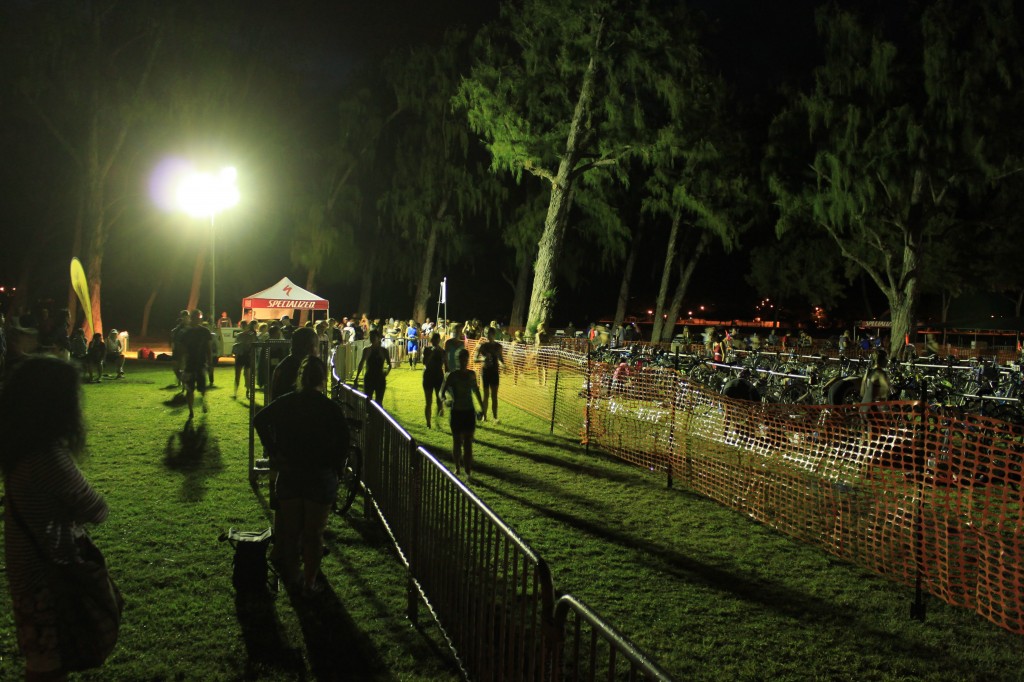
{"x":204,"y":195}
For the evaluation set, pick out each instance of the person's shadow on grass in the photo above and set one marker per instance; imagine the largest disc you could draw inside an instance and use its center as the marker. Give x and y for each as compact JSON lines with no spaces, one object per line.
{"x":337,"y":649}
{"x":265,"y":644}
{"x":177,"y":400}
{"x":191,"y":453}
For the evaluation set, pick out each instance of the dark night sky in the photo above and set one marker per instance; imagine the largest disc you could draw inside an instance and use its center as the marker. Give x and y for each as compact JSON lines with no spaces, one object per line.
{"x":756,"y":45}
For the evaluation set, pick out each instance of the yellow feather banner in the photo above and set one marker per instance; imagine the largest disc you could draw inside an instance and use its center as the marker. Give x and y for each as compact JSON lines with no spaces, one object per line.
{"x":81,"y":286}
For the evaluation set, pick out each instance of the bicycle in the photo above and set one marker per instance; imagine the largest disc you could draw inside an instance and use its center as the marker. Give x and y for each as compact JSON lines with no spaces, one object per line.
{"x":350,"y":476}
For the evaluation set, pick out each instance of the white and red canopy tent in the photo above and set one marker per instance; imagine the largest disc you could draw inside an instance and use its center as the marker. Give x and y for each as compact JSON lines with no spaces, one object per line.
{"x":284,"y":298}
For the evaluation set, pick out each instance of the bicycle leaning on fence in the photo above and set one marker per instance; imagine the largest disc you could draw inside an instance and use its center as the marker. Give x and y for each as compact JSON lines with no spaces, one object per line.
{"x":350,"y":476}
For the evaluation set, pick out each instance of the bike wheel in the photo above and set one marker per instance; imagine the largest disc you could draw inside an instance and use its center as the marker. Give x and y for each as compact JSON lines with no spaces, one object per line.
{"x":349,"y":481}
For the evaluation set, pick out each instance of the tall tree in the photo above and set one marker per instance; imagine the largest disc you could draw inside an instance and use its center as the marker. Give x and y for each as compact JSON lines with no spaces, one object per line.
{"x":437,"y":184}
{"x":561,"y":89}
{"x":898,"y":132}
{"x":86,"y":71}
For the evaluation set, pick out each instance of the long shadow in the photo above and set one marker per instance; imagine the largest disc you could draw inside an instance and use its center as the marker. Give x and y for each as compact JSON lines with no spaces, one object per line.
{"x":575,"y":467}
{"x":793,"y":604}
{"x":191,"y":453}
{"x":176,"y":400}
{"x":265,"y":644}
{"x":337,"y":649}
{"x":371,"y":533}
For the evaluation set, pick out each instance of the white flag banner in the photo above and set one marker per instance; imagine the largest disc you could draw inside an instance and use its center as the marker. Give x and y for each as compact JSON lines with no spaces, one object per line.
{"x":444,"y":290}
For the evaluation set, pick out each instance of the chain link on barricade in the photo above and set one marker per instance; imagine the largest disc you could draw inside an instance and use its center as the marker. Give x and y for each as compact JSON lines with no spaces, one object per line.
{"x":928,"y":497}
{"x":490,"y":593}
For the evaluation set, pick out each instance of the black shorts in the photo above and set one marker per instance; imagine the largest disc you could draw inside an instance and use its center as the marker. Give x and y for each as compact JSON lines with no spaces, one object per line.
{"x":194,"y":380}
{"x":490,"y":376}
{"x":432,"y":383}
{"x":463,"y":421}
{"x":243,"y":360}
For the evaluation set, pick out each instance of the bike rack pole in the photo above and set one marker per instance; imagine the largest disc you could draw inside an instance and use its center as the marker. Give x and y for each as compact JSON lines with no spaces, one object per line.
{"x":590,"y":398}
{"x":554,"y":398}
{"x":416,"y":513}
{"x":917,"y":607}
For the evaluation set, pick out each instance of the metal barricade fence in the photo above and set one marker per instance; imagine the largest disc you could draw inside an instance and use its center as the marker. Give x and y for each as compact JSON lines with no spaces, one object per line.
{"x":591,"y":650}
{"x":489,"y":592}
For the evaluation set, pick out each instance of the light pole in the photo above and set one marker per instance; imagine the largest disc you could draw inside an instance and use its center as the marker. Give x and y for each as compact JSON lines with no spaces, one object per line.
{"x":205,"y":195}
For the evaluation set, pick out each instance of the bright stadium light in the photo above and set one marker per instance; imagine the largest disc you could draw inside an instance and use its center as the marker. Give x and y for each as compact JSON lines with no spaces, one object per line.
{"x":204,"y":195}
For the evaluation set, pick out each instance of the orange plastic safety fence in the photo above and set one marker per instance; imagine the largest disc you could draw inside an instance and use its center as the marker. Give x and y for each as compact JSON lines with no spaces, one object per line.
{"x":906,"y":491}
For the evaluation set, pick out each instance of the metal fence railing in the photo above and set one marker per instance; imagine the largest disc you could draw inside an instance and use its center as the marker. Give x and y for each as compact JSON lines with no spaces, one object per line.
{"x":490,"y":593}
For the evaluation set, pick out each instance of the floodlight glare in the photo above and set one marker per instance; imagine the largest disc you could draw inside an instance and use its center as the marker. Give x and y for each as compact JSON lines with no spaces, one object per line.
{"x":203,"y":195}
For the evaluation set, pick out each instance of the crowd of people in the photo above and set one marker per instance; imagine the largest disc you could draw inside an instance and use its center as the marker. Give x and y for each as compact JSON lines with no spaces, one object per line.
{"x":42,"y":366}
{"x":44,"y":332}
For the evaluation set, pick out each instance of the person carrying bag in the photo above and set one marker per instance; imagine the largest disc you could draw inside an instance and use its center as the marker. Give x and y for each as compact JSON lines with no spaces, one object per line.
{"x":67,"y":610}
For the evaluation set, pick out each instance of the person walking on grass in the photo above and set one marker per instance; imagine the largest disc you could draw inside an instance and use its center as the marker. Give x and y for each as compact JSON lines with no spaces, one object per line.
{"x":242,"y":351}
{"x":197,"y":345}
{"x":433,"y":376}
{"x":308,"y":461}
{"x":452,"y":347}
{"x":461,"y":386}
{"x":374,"y":358}
{"x":491,"y":354}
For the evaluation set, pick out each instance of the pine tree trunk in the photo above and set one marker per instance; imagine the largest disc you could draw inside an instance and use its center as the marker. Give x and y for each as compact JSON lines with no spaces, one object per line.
{"x":419,"y":307}
{"x":627,"y":277}
{"x":686,"y":269}
{"x":146,"y":310}
{"x":517,"y":318}
{"x":666,"y":276}
{"x":903,"y":294}
{"x":549,"y":249}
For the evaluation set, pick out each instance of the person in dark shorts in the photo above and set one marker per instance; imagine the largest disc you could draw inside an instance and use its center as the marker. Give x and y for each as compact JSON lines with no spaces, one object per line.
{"x":491,"y":354}
{"x":433,"y":375}
{"x":307,"y":461}
{"x":461,"y":386}
{"x":177,"y":353}
{"x":374,"y":358}
{"x":242,"y":351}
{"x":197,"y":345}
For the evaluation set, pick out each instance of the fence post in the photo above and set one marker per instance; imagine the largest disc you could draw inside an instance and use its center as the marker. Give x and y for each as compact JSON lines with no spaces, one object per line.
{"x":554,"y":398}
{"x":250,"y":390}
{"x":669,"y":456}
{"x":917,"y":608}
{"x":415,"y":511}
{"x":590,"y":397}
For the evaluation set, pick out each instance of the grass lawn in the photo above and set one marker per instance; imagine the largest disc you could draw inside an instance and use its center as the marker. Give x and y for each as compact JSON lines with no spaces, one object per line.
{"x":171,"y":495}
{"x":711,"y":595}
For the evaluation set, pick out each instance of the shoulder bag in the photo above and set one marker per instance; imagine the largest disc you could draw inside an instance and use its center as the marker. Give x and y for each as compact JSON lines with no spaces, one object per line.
{"x":87,"y":603}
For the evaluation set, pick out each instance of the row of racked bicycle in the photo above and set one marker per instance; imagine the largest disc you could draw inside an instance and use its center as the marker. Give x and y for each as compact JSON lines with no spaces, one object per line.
{"x":979,"y":385}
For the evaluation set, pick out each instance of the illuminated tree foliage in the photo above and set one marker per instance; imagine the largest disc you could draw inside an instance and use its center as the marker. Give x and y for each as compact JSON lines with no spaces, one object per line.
{"x":437,"y":185}
{"x":905,"y":126}
{"x":564,"y":88}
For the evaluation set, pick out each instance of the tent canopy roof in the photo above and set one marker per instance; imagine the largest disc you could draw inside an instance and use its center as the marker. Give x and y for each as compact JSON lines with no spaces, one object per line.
{"x":285,"y":295}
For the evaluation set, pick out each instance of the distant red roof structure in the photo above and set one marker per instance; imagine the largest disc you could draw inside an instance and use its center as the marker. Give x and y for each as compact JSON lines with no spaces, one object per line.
{"x":284,"y":298}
